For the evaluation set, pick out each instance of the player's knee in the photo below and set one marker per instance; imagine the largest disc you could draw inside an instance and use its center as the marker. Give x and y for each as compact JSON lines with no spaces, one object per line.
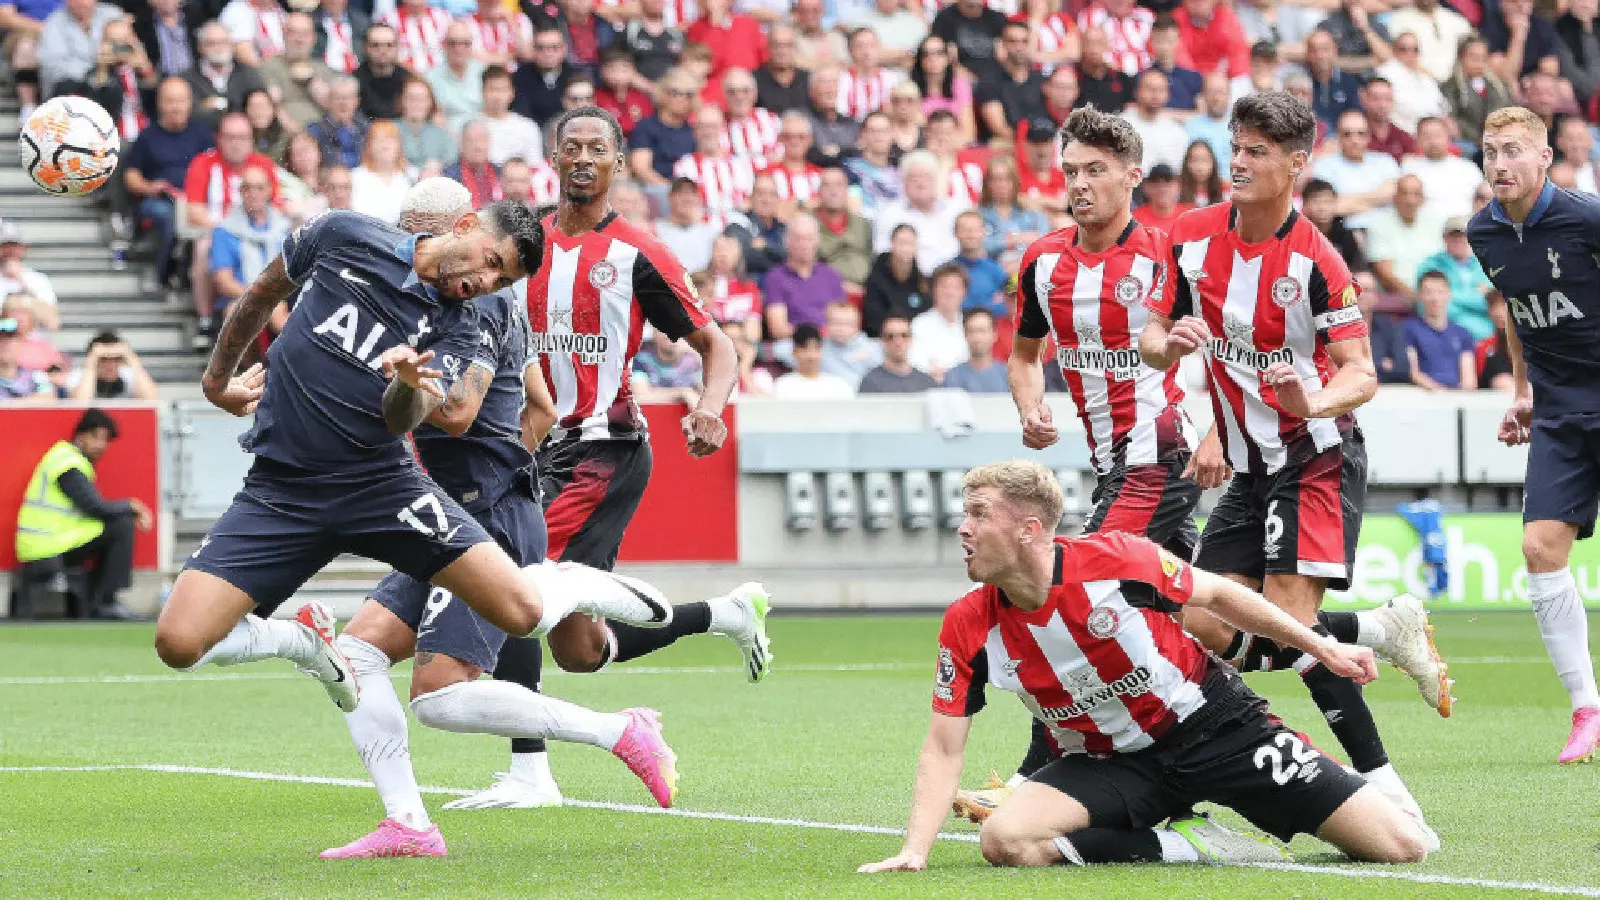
{"x":1001,"y":845}
{"x":1403,"y":844}
{"x":1540,"y":553}
{"x":178,"y":649}
{"x":583,"y":657}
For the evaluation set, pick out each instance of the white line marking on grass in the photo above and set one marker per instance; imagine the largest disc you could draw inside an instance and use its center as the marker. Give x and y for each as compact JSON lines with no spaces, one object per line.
{"x":160,"y":677}
{"x":1337,"y":871}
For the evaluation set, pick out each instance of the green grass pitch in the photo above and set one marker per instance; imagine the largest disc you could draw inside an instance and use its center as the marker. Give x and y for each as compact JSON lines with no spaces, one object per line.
{"x":830,"y":738}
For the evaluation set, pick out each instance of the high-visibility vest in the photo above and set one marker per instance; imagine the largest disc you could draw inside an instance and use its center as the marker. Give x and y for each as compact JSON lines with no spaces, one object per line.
{"x":49,"y":523}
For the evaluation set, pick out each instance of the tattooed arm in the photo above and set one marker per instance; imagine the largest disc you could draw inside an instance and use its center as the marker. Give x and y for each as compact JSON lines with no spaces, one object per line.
{"x":248,"y":315}
{"x":456,"y":412}
{"x":414,"y":396}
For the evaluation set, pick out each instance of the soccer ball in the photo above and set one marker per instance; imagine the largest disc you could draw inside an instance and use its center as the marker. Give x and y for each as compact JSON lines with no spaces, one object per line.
{"x":69,"y":146}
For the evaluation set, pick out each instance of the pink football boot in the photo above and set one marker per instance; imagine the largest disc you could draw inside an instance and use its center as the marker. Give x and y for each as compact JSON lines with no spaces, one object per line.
{"x":1585,"y":735}
{"x":391,"y":839}
{"x":647,"y":755}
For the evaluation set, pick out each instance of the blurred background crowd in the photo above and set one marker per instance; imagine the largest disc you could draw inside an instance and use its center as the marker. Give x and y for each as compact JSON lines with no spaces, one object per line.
{"x":853,"y":181}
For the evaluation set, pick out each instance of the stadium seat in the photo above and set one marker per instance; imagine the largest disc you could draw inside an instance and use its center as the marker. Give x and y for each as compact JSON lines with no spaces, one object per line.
{"x":800,"y":501}
{"x":839,"y":501}
{"x":877,"y":490}
{"x":916,"y":500}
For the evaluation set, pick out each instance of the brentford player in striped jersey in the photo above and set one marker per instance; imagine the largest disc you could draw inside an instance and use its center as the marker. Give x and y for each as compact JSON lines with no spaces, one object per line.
{"x":1080,"y":629}
{"x":1264,"y":295}
{"x":601,"y":281}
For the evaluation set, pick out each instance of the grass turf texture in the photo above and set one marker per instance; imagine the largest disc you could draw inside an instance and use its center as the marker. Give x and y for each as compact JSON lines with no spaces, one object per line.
{"x":819,"y":741}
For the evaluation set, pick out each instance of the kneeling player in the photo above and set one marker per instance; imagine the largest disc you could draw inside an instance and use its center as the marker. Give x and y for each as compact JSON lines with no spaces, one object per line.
{"x":1080,"y":629}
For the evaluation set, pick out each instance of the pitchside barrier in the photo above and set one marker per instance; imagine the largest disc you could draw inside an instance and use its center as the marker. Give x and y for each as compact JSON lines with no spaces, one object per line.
{"x":869,"y":488}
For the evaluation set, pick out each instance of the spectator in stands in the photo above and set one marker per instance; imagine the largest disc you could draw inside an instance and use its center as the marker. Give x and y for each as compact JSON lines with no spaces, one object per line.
{"x":618,"y":91}
{"x":156,"y":166}
{"x":1469,"y":287}
{"x":217,"y":82}
{"x":981,"y":373}
{"x":985,"y":279}
{"x":1448,"y":182}
{"x":1377,"y":102}
{"x":71,"y":521}
{"x":473,"y":168}
{"x":121,"y":81}
{"x":1474,"y":90}
{"x":1162,"y":206}
{"x":1320,"y":204}
{"x":587,"y":35}
{"x":510,"y":134}
{"x":1362,"y":42}
{"x":1060,"y":94}
{"x":341,"y":34}
{"x":834,"y":135}
{"x":932,"y":215}
{"x":1101,"y":84}
{"x":1212,"y":38}
{"x":427,"y":146}
{"x":973,"y":30}
{"x":808,"y":381}
{"x":20,"y":385}
{"x":256,"y":29}
{"x":18,"y":277}
{"x":457,"y":83}
{"x":896,"y":375}
{"x":335,"y":187}
{"x":1008,"y":226}
{"x":1575,"y":145}
{"x":723,"y":180}
{"x":1520,"y":40}
{"x":1492,"y":355}
{"x":268,"y":136}
{"x":212,"y":189}
{"x":846,"y":237}
{"x":295,"y":79}
{"x":755,"y":378}
{"x":760,"y":231}
{"x":1043,"y":186}
{"x":516,"y":180}
{"x":873,"y":172}
{"x":111,"y":371}
{"x":538,"y":85}
{"x":799,"y":290}
{"x":1388,"y":339}
{"x":735,"y":40}
{"x":846,"y":351}
{"x":1335,"y":91}
{"x":906,"y":119}
{"x":34,"y":349}
{"x":1211,"y":125}
{"x":938,"y":337}
{"x":655,"y":45}
{"x":246,"y":240}
{"x":380,"y":75}
{"x":660,"y":140}
{"x":1364,"y":179}
{"x":342,"y":132}
{"x":169,"y":34}
{"x":934,"y":73}
{"x":1165,"y":141}
{"x":1414,"y":92}
{"x":1580,"y":49}
{"x":898,"y":29}
{"x":895,"y":285}
{"x":1016,"y":94}
{"x":664,"y":372}
{"x":1438,"y":30}
{"x":1183,"y":84}
{"x":864,"y":86}
{"x":1440,"y":351}
{"x":1265,"y":73}
{"x":729,"y":297}
{"x":300,"y":180}
{"x":22,"y":21}
{"x":69,"y":44}
{"x":379,"y":185}
{"x":628,"y":199}
{"x":781,"y":85}
{"x":1297,"y":84}
{"x":1400,"y":237}
{"x":795,"y":177}
{"x":685,"y":230}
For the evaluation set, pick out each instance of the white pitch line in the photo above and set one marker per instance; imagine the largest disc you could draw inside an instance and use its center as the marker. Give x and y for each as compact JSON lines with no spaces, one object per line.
{"x":162,"y":677}
{"x":1337,"y":871}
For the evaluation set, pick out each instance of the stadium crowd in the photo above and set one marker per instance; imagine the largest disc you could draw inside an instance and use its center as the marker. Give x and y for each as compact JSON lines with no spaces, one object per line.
{"x":853,"y":181}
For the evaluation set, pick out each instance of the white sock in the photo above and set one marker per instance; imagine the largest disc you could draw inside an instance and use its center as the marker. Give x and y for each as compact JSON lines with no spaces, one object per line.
{"x":1370,"y":632}
{"x":532,"y":767}
{"x":569,"y":587}
{"x":1175,"y":848}
{"x":1565,"y":629}
{"x":513,"y":711}
{"x":378,"y":727}
{"x":727,"y":617}
{"x":1387,"y":780}
{"x":1016,"y":780}
{"x":254,"y":638}
{"x":1069,"y":853}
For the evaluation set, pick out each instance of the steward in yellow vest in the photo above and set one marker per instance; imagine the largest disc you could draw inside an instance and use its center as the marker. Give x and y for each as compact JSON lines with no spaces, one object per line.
{"x":63,"y":516}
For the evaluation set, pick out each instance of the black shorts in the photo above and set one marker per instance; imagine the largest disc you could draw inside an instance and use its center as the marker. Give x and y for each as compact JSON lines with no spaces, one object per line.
{"x":1563,"y":482}
{"x":1303,"y":519}
{"x":287,"y":523}
{"x":448,"y":626}
{"x":1249,"y":762}
{"x":591,"y":490}
{"x":1153,"y":501}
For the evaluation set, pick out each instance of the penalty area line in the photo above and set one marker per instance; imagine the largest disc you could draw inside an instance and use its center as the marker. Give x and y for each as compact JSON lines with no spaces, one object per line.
{"x":1335,"y":871}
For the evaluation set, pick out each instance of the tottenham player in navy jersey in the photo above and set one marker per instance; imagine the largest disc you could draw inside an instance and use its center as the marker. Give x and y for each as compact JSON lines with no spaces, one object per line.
{"x":1540,"y":246}
{"x":332,"y":473}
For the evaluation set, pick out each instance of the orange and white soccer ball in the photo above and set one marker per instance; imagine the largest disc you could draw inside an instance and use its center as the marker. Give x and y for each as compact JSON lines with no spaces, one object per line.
{"x":69,"y":146}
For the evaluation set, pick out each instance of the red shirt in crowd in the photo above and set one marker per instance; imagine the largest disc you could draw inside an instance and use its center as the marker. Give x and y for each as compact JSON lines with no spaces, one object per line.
{"x":737,"y":43}
{"x":1147,"y":215}
{"x":1220,"y":42}
{"x":628,"y":108}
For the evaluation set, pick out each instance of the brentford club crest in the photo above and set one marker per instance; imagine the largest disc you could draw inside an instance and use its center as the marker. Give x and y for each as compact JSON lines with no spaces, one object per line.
{"x":602,"y":274}
{"x":1103,"y":623}
{"x":1285,"y":292}
{"x":1128,"y":290}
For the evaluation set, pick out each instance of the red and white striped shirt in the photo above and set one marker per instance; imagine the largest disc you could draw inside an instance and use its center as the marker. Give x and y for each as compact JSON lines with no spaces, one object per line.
{"x":546,"y":183}
{"x":725,"y":182}
{"x":340,"y":53}
{"x":587,"y":306}
{"x":680,"y":14}
{"x":262,"y":27}
{"x":1093,"y":304}
{"x":754,"y":136}
{"x":1051,"y":36}
{"x":501,"y":36}
{"x":421,"y":36}
{"x":800,"y":186}
{"x":1283,"y":300}
{"x":860,"y":94}
{"x":212,"y":183}
{"x":966,"y":177}
{"x":1129,"y":36}
{"x":1103,"y":664}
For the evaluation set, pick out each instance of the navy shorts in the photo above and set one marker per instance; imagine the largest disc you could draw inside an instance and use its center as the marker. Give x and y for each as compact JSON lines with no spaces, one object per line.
{"x":1153,"y":501}
{"x":287,"y":523}
{"x":444,"y":624}
{"x":1563,"y":483}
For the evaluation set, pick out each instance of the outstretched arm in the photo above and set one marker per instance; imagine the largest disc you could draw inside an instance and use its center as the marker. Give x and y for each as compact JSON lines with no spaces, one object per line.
{"x":413,"y":392}
{"x":938,"y":776}
{"x":245,"y":320}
